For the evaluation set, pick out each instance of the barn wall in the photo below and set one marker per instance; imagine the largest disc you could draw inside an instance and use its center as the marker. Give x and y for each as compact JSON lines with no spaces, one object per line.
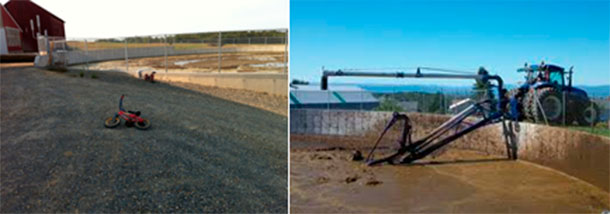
{"x":23,"y":12}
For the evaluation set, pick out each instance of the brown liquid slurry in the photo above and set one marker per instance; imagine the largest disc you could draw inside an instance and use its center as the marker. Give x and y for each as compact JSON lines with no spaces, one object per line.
{"x":455,"y":181}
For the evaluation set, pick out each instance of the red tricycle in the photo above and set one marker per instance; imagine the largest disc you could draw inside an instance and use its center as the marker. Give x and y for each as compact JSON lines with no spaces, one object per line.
{"x":132,"y":118}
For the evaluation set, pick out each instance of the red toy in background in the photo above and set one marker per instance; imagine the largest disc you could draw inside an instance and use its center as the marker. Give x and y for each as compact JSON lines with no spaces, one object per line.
{"x":150,"y":78}
{"x":132,"y":118}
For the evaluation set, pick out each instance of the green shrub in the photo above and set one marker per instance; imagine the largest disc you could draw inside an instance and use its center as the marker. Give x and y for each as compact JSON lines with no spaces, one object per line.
{"x":81,"y":74}
{"x":389,"y":104}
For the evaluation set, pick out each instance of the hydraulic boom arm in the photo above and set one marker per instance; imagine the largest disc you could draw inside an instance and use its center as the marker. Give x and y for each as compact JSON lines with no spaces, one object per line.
{"x":410,"y":151}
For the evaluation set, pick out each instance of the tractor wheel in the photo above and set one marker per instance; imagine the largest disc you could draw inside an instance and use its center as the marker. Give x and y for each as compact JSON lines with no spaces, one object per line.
{"x":574,"y":108}
{"x":589,"y":115}
{"x":527,"y":102}
{"x":112,"y":122}
{"x":143,"y":125}
{"x":552,"y":106}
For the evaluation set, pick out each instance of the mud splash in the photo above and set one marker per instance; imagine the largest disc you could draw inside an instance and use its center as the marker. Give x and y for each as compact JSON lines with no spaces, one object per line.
{"x":326,"y":180}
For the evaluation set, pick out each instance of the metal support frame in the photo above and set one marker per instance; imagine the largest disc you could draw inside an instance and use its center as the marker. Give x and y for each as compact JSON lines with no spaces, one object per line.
{"x":126,"y":57}
{"x":410,"y":151}
{"x":219,"y":51}
{"x":87,"y":56}
{"x":165,"y":51}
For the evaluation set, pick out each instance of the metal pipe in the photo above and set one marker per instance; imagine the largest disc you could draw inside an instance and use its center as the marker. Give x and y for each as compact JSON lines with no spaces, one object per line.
{"x":481,"y":76}
{"x":401,"y":75}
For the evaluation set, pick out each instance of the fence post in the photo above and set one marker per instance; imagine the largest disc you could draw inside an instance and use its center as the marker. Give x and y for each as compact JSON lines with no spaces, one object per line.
{"x":65,"y":59}
{"x":563,"y":108}
{"x":219,"y":51}
{"x":86,"y":55}
{"x":265,"y":40}
{"x":126,"y":57}
{"x":592,"y":116}
{"x":285,"y":52}
{"x":165,"y":39}
{"x":361,"y":100}
{"x":249,"y":40}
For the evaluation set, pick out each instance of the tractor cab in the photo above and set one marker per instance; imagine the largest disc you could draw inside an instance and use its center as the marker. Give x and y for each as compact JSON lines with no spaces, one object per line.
{"x":548,"y":93}
{"x":543,"y":75}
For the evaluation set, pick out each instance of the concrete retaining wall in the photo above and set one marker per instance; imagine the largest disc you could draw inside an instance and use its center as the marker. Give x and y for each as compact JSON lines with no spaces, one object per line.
{"x":80,"y":57}
{"x":271,"y":83}
{"x":575,"y":153}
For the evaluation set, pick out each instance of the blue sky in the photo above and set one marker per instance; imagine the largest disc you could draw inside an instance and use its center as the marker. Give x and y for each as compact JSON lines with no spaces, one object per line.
{"x":462,"y":35}
{"x":118,"y":18}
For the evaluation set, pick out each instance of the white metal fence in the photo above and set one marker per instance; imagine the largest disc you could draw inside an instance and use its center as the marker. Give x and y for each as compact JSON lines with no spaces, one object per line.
{"x":244,"y":51}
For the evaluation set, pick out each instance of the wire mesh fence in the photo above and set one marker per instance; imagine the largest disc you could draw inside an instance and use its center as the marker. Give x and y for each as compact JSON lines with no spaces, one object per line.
{"x":210,"y":52}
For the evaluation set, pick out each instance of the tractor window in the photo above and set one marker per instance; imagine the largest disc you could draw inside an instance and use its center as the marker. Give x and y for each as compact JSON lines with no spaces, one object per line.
{"x":556,"y":77}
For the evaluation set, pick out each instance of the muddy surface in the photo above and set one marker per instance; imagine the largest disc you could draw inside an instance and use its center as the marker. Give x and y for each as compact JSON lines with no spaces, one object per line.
{"x":231,"y":63}
{"x":202,"y":153}
{"x":273,"y":103}
{"x":327,"y":180}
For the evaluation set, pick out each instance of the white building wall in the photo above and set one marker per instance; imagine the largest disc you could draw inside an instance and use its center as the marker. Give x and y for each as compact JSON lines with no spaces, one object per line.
{"x":3,"y":45}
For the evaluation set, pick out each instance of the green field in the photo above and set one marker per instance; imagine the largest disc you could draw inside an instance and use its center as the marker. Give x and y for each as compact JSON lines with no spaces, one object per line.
{"x":603,"y":131}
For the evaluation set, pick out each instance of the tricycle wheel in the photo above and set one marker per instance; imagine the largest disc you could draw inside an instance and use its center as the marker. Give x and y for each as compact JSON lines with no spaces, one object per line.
{"x":145,"y":124}
{"x":112,"y":122}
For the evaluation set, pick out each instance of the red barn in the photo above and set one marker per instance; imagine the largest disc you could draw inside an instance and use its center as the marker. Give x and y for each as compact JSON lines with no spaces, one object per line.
{"x":34,"y":20}
{"x":10,"y":33}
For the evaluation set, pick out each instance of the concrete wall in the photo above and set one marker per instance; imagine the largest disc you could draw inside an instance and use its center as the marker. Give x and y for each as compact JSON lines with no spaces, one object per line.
{"x":80,"y":57}
{"x":579,"y":154}
{"x":271,"y":83}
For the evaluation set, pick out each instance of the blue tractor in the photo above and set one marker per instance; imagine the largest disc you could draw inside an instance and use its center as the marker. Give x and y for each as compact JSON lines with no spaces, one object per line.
{"x":545,"y":97}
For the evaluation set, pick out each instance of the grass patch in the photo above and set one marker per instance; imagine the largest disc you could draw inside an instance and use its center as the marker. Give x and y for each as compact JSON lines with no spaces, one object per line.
{"x":93,"y":76}
{"x":593,"y":130}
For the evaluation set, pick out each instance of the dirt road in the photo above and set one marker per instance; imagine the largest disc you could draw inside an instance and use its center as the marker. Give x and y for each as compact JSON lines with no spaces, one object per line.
{"x":202,"y":154}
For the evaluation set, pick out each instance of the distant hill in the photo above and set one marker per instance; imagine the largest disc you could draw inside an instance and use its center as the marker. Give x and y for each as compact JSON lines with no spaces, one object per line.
{"x":593,"y":91}
{"x":596,"y":91}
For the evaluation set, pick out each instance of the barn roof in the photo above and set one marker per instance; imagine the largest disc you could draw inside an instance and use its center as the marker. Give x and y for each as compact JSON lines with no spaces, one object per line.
{"x":35,"y":5}
{"x":5,"y":13}
{"x":338,"y":94}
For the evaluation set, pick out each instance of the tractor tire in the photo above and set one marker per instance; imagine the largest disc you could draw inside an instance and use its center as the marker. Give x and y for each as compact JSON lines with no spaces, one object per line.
{"x":143,"y":125}
{"x":589,"y":115}
{"x":112,"y":122}
{"x":574,"y":108}
{"x":551,"y":102}
{"x":528,"y":102}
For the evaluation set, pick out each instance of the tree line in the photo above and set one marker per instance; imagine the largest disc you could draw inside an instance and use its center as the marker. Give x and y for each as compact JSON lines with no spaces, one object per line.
{"x":190,"y":37}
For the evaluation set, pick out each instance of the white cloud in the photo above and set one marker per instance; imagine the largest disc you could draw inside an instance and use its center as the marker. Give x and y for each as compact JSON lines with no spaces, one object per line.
{"x":114,"y":18}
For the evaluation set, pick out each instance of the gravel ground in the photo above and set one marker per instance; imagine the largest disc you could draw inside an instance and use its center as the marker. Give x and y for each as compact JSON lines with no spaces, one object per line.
{"x":272,"y":103}
{"x":202,"y":154}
